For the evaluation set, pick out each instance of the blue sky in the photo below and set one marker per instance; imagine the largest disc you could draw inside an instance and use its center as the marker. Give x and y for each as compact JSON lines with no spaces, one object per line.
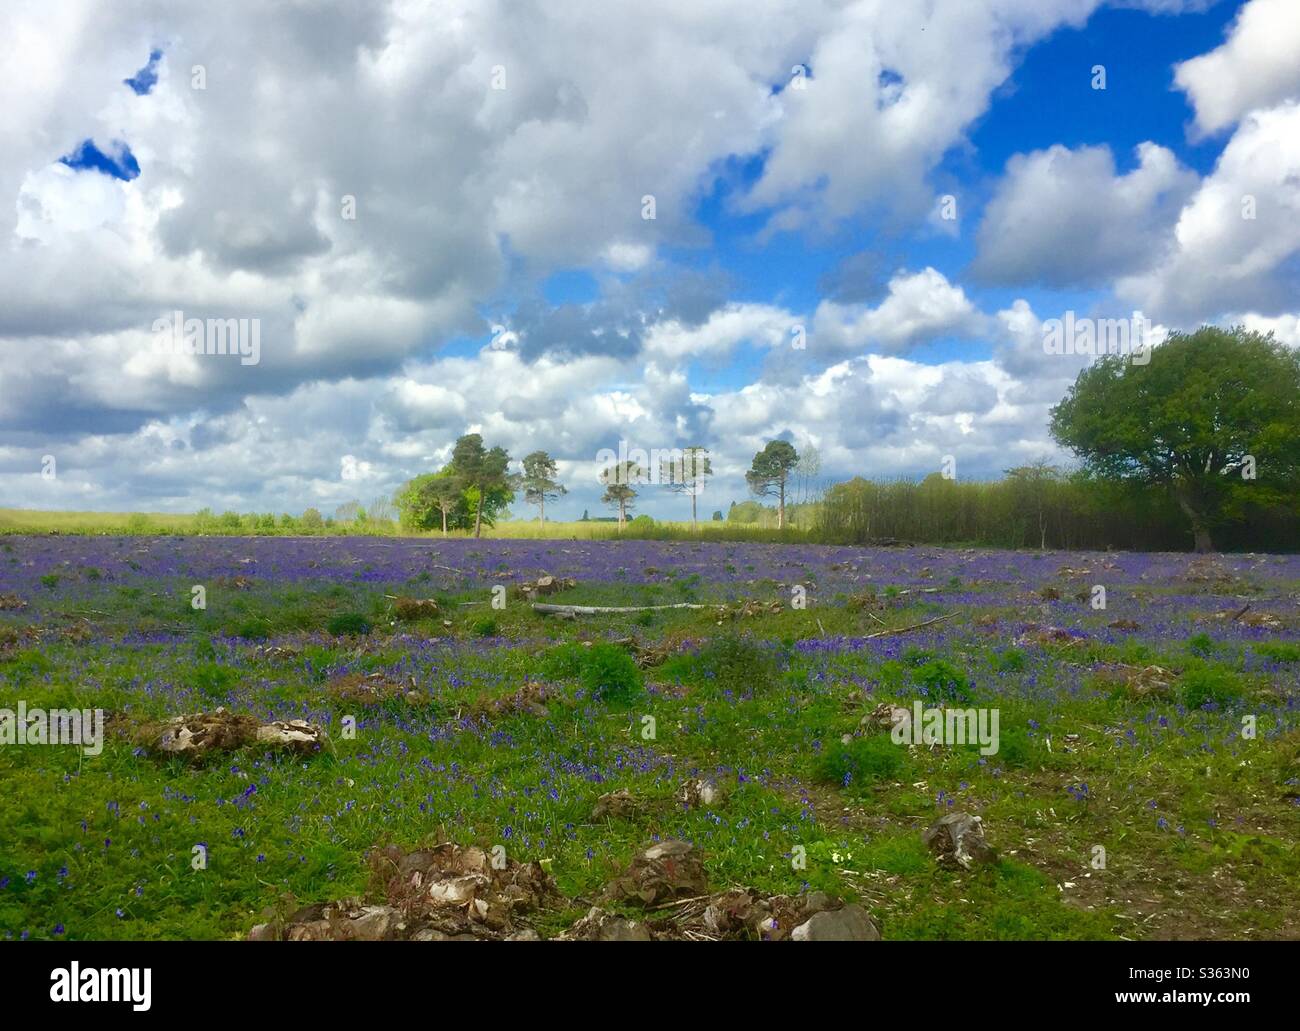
{"x":496,"y":274}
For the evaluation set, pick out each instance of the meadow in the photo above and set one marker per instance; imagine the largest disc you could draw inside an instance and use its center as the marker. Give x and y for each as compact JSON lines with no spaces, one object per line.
{"x":1146,"y":783}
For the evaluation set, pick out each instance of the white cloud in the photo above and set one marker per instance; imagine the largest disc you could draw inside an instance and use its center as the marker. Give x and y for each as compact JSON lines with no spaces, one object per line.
{"x":920,"y":307}
{"x":1258,"y":66}
{"x":1234,"y":243}
{"x":1063,"y":217}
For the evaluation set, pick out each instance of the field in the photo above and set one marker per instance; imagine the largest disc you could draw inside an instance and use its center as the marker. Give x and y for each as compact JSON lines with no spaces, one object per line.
{"x":1145,"y":784}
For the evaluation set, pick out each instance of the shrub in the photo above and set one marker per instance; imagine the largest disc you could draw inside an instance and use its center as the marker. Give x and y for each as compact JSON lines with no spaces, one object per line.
{"x":1016,"y":748}
{"x":485,"y":626}
{"x":349,"y":623}
{"x":1010,"y":661}
{"x":610,"y":674}
{"x":863,"y":761}
{"x":563,"y":661}
{"x":253,"y":631}
{"x":1201,"y":644}
{"x":731,"y":662}
{"x":939,"y":680}
{"x":1278,"y":651}
{"x":1203,"y":685}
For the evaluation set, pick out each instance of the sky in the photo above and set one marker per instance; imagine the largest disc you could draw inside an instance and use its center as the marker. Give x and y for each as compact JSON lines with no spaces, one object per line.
{"x":847,"y":224}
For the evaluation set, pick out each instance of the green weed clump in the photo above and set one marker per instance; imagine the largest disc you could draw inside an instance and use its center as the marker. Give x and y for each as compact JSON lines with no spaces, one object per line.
{"x":861,"y":762}
{"x":607,"y":671}
{"x":1204,"y":685}
{"x":941,"y":681}
{"x":610,"y":674}
{"x":349,"y":624}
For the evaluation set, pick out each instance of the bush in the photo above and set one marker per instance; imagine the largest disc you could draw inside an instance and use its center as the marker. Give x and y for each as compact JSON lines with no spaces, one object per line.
{"x":485,"y":626}
{"x":1204,"y":685}
{"x":347,"y":624}
{"x":942,"y":681}
{"x":563,"y":661}
{"x":253,"y":631}
{"x":1278,"y":651}
{"x":610,"y":674}
{"x":1010,"y":661}
{"x":731,"y":662}
{"x":863,"y":761}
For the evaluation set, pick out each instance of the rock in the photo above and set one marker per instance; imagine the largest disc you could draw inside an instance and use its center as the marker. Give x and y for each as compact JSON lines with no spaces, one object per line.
{"x":11,"y":603}
{"x":619,"y":805}
{"x":884,"y":716}
{"x":696,"y":793}
{"x":959,"y":838}
{"x":200,"y":734}
{"x":599,"y":925}
{"x":667,"y":870}
{"x":850,"y":924}
{"x":1040,"y":635}
{"x":407,"y":609}
{"x":374,"y":923}
{"x":294,"y":735}
{"x":1125,"y":624}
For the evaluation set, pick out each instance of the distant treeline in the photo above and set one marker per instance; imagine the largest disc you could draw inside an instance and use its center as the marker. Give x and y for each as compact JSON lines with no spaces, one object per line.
{"x":1025,"y":510}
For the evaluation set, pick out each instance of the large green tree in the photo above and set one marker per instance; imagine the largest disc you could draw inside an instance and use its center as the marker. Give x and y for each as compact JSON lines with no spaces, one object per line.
{"x":484,"y":474}
{"x":770,"y":472}
{"x":539,"y":482}
{"x":1214,"y":418}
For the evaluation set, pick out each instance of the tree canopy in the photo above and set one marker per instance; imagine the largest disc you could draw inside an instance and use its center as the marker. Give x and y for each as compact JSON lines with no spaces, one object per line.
{"x":1213,"y":418}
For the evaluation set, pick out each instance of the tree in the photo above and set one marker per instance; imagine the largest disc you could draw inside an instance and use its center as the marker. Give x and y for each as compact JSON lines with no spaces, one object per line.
{"x":618,"y":480}
{"x":806,"y":470}
{"x":770,"y":472}
{"x":484,"y":475}
{"x":311,"y":520}
{"x":1208,"y":411}
{"x":1031,"y":484}
{"x":688,"y":475}
{"x":539,"y":483}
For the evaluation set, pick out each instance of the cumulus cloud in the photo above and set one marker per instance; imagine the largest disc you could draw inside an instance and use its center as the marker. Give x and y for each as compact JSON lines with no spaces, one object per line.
{"x":919,"y":307}
{"x":1256,"y":67}
{"x":1235,"y":241}
{"x":1064,"y":218}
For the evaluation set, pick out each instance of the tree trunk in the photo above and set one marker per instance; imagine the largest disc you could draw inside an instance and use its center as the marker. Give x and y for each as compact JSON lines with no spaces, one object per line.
{"x":622,"y":513}
{"x":541,"y":506}
{"x":692,"y":508}
{"x":780,"y":508}
{"x":444,"y":522}
{"x":478,"y":515}
{"x":1201,"y":538}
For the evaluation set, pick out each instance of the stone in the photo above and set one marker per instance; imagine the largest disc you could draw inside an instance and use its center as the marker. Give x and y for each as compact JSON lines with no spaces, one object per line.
{"x":849,"y":924}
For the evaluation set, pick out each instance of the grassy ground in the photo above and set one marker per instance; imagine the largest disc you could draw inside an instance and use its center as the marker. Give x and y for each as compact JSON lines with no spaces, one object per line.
{"x":1197,"y":823}
{"x":30,"y":521}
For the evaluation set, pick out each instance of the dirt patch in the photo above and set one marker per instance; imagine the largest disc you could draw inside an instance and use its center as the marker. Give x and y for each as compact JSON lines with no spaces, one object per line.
{"x":371,"y":689}
{"x":462,"y":893}
{"x":529,"y":700}
{"x":446,"y":893}
{"x":198,"y":735}
{"x":407,"y":609}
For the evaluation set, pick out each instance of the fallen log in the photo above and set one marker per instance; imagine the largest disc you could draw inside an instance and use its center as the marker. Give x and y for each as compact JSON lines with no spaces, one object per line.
{"x":905,"y":629}
{"x":600,"y":610}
